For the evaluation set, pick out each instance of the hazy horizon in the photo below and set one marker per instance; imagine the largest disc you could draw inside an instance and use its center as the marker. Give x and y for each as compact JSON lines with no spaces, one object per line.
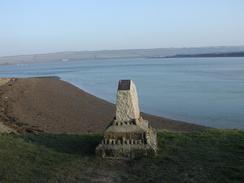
{"x":29,"y":27}
{"x":124,"y":49}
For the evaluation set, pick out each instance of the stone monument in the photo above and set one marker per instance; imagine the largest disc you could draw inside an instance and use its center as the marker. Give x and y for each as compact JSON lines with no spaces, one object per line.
{"x":128,"y":135}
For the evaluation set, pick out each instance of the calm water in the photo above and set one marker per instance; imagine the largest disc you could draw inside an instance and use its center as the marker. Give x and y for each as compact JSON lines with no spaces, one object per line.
{"x":207,"y":91}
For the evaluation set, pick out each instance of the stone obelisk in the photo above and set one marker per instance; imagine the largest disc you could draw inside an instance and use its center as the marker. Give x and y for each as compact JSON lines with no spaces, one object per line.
{"x":129,"y":135}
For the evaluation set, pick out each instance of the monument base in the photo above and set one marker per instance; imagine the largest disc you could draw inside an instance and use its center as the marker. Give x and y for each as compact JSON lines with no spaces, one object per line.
{"x":128,"y":141}
{"x":129,"y":136}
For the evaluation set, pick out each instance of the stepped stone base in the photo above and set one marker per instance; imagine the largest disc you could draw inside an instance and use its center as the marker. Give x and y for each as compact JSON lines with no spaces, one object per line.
{"x":128,"y":136}
{"x":128,"y":141}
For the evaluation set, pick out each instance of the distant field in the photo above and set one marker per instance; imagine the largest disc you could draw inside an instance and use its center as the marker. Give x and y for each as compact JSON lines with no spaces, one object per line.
{"x":209,"y":156}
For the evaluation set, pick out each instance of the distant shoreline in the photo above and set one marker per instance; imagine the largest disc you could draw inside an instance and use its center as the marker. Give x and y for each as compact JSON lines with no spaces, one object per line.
{"x":206,"y":55}
{"x":220,"y":51}
{"x":224,"y":55}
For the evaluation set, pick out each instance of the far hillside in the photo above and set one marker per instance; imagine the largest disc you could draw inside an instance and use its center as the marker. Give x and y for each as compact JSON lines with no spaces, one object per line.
{"x":116,"y":54}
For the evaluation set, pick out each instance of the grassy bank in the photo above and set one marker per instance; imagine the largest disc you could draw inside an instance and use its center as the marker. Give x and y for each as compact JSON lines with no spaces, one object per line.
{"x":210,"y":156}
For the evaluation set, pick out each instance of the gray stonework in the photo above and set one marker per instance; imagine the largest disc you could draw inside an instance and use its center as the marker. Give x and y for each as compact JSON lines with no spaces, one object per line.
{"x":128,"y":136}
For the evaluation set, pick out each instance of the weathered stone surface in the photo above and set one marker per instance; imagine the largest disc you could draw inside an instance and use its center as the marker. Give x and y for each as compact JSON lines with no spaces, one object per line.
{"x":129,"y":135}
{"x":127,"y":107}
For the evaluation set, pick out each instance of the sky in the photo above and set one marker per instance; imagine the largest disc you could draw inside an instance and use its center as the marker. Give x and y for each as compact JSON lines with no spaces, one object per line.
{"x":41,"y":26}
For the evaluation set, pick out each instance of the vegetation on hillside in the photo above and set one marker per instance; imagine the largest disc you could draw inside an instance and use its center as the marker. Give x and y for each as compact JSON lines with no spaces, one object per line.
{"x":208,"y":156}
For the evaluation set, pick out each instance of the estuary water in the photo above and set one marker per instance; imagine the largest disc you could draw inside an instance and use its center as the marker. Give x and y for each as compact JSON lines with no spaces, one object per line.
{"x":206,"y":91}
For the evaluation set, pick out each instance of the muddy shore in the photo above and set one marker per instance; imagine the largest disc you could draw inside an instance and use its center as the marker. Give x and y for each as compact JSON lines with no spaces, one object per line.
{"x":54,"y":106}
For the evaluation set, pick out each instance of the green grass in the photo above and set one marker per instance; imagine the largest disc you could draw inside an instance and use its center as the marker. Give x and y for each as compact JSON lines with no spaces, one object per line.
{"x":209,"y":156}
